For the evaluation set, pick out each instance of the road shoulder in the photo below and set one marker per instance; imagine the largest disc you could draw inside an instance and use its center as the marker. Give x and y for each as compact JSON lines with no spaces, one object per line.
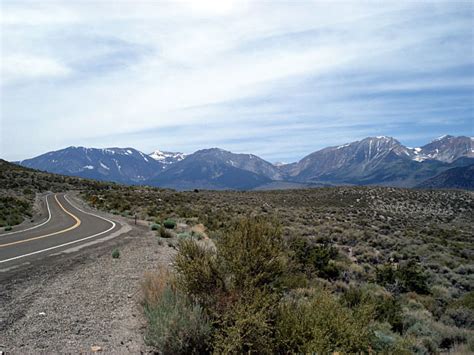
{"x":76,"y":300}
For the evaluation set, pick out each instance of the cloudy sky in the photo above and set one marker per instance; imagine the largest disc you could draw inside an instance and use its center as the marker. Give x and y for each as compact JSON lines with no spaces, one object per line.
{"x":278,"y":79}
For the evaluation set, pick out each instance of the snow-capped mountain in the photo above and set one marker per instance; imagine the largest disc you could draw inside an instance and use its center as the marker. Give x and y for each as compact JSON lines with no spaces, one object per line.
{"x":446,"y":149}
{"x":378,"y":160}
{"x":354,"y":158}
{"x":167,"y":158}
{"x":125,"y":165}
{"x":218,"y":169}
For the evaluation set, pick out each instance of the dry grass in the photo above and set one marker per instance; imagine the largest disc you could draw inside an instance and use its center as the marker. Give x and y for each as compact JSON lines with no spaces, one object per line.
{"x":200,"y":229}
{"x":153,"y":285}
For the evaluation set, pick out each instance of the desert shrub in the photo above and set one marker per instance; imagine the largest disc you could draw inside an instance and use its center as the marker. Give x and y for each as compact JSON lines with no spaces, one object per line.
{"x":386,"y":275}
{"x":317,"y":323}
{"x":115,"y":254}
{"x":166,"y":233}
{"x":184,"y":235}
{"x":386,"y":341}
{"x":461,"y":311}
{"x":430,"y":334}
{"x":247,"y":326}
{"x":239,"y":283}
{"x":175,"y":324}
{"x":405,"y":278}
{"x":198,"y":272}
{"x":155,"y":227}
{"x":8,"y":228}
{"x":315,"y":258}
{"x":169,"y":224}
{"x":412,"y":278}
{"x":13,"y":210}
{"x":459,"y":316}
{"x":197,"y":235}
{"x":387,"y":308}
{"x":253,"y":254}
{"x":467,"y":301}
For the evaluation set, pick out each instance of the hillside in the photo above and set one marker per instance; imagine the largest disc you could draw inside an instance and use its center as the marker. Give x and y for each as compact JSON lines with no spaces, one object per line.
{"x":406,"y":255}
{"x":408,"y":252}
{"x":455,"y":178}
{"x":19,"y":187}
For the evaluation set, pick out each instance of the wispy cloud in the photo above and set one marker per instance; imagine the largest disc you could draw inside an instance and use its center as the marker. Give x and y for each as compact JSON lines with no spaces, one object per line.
{"x":279,"y":80}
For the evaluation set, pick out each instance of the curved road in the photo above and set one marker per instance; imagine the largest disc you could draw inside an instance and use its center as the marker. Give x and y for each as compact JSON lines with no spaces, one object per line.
{"x":67,"y":226}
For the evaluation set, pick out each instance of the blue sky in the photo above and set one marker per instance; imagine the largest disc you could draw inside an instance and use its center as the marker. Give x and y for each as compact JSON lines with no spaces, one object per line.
{"x":277,"y":79}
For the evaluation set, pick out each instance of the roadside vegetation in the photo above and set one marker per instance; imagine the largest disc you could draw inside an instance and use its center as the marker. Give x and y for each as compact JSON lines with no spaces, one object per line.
{"x":19,"y":187}
{"x":347,"y":269}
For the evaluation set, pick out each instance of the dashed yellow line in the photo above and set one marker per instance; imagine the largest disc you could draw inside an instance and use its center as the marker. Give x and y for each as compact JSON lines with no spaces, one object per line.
{"x":77,"y":224}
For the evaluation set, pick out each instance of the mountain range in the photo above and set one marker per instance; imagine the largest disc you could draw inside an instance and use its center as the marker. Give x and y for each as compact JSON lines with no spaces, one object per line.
{"x":371,"y":161}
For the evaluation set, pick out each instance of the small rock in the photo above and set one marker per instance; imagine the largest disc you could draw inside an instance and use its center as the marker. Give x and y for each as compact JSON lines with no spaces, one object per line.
{"x":95,"y":348}
{"x":41,"y":314}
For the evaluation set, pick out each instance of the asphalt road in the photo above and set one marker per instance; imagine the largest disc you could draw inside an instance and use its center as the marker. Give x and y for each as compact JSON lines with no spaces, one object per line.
{"x":67,"y":226}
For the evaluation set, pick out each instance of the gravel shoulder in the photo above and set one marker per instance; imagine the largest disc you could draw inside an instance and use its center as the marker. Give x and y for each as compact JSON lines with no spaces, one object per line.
{"x":73,"y":301}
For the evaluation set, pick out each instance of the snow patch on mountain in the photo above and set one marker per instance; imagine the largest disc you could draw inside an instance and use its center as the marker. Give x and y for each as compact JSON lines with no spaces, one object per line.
{"x":166,"y":157}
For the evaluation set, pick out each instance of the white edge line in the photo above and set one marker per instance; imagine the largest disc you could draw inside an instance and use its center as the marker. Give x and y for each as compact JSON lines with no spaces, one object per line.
{"x":39,"y":225}
{"x":68,"y":243}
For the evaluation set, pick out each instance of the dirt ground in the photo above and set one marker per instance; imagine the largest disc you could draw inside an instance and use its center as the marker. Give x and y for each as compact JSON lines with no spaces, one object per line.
{"x":74,"y":302}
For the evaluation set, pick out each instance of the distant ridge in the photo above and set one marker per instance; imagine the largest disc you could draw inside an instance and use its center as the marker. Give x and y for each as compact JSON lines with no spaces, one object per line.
{"x":379,"y":160}
{"x":455,"y":178}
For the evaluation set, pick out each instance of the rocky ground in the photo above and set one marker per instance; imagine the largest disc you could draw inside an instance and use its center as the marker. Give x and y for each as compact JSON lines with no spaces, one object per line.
{"x":81,"y":302}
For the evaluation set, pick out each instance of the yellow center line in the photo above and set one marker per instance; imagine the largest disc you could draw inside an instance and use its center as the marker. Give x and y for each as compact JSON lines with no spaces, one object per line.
{"x":78,"y":223}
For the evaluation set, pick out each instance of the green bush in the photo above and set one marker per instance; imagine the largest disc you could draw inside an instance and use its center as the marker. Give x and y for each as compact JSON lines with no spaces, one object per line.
{"x":315,"y":322}
{"x":198,"y":273}
{"x":13,"y":210}
{"x":386,"y":307}
{"x":8,"y":228}
{"x":169,"y":224}
{"x":176,"y":325}
{"x":155,"y":227}
{"x":238,"y":284}
{"x":115,"y":254}
{"x":406,"y":277}
{"x":413,"y":278}
{"x":461,"y":311}
{"x":252,"y":253}
{"x":248,"y":326}
{"x":315,"y":258}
